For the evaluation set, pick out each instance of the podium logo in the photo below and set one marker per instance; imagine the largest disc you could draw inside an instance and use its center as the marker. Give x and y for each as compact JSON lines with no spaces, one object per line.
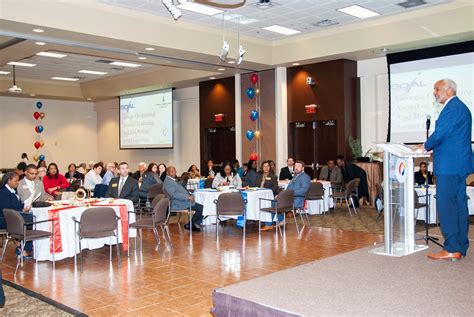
{"x":401,"y":170}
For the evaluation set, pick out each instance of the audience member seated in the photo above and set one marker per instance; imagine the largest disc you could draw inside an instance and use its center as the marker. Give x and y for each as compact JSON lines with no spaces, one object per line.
{"x":92,"y":177}
{"x":351,"y":171}
{"x":193,"y":171}
{"x":162,"y":171}
{"x":31,"y":189}
{"x":9,"y":199}
{"x":41,"y":163}
{"x":272,"y":167}
{"x":149,"y":178}
{"x":139,"y":173}
{"x":180,"y":198}
{"x":54,"y":182}
{"x":267,"y":179}
{"x":109,"y":174}
{"x":123,"y":186}
{"x":300,"y":184}
{"x":331,"y":173}
{"x":82,"y":169}
{"x":287,"y":172}
{"x":422,"y":175}
{"x":239,"y":169}
{"x":183,"y":179}
{"x":210,"y":170}
{"x":90,"y":166}
{"x":227,"y":177}
{"x":72,"y":174}
{"x":250,"y":176}
{"x":102,"y":172}
{"x":20,"y":169}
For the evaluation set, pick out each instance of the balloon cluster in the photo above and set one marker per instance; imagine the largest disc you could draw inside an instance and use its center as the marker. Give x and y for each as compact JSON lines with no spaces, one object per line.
{"x":39,"y":129}
{"x":253,"y":115}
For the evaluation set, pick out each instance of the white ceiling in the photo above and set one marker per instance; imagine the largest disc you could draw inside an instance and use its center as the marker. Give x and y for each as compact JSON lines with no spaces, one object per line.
{"x":295,"y":14}
{"x":48,"y":67}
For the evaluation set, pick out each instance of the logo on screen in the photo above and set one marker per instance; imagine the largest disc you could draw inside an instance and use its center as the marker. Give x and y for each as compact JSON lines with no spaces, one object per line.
{"x":401,"y":170}
{"x":127,"y":107}
{"x":407,"y":86}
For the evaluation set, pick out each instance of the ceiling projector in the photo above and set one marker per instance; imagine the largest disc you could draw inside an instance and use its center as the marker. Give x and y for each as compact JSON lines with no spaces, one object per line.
{"x":14,"y":90}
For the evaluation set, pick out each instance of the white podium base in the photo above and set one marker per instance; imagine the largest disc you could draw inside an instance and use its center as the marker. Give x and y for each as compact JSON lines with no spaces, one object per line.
{"x":399,"y":249}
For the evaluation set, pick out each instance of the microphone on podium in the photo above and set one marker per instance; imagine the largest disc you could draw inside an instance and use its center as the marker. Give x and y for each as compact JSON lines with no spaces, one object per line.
{"x":428,"y":122}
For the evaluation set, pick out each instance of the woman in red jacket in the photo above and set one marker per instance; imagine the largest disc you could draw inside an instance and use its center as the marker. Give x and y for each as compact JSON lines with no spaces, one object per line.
{"x":54,"y":183}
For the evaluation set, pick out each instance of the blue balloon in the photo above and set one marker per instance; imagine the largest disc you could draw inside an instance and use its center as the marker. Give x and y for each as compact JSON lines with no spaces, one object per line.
{"x":41,"y":157}
{"x":39,"y":105}
{"x":40,"y":128}
{"x":250,"y":134}
{"x":251,"y":93}
{"x":254,"y":115}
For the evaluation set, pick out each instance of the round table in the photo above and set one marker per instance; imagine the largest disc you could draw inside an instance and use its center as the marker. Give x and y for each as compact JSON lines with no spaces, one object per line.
{"x":65,"y":227}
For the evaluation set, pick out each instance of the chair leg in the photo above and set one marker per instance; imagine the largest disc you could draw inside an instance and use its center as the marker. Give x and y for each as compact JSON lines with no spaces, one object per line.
{"x":80,"y":255}
{"x":5,"y":247}
{"x":296,"y":221}
{"x":157,"y":237}
{"x":118,"y":250}
{"x":54,"y":251}
{"x":349,"y":208}
{"x":301,"y":216}
{"x":110,"y":249}
{"x":141,"y":240}
{"x":307,"y":217}
{"x":168,"y":234}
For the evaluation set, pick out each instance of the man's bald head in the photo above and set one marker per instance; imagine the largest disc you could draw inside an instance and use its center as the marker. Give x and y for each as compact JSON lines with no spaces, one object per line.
{"x":444,"y":89}
{"x":171,"y":171}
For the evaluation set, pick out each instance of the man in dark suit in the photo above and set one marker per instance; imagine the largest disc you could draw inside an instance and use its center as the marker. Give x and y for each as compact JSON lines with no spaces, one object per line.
{"x":451,"y":146}
{"x":351,"y":171}
{"x":123,"y":186}
{"x":288,"y":171}
{"x":331,"y":173}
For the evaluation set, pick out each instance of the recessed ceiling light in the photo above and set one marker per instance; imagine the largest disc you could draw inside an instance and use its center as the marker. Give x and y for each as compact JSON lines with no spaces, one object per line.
{"x":89,"y":98}
{"x":92,"y":72}
{"x":221,"y":69}
{"x":51,"y":54}
{"x":38,"y":30}
{"x":142,"y":57}
{"x":65,"y":78}
{"x":149,"y":49}
{"x":281,"y":29}
{"x":199,"y":8}
{"x":125,"y":64}
{"x":40,"y":43}
{"x":2,"y":72}
{"x":32,"y":95}
{"x":22,"y":64}
{"x":296,"y":64}
{"x":358,"y":12}
{"x":231,"y":62}
{"x":212,"y":77}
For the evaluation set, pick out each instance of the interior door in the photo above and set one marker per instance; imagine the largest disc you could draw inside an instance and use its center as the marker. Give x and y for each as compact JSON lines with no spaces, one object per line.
{"x":219,"y":145}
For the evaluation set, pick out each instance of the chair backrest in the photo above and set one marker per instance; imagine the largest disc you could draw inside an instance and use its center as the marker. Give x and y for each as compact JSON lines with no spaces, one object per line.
{"x":160,"y":210}
{"x":417,"y":198}
{"x":316,"y":191}
{"x":351,"y":186}
{"x":157,"y":199}
{"x":230,"y":204}
{"x":75,"y":185}
{"x":208,"y":182}
{"x":15,"y":223}
{"x":285,"y":199}
{"x":154,"y":190}
{"x":98,"y":219}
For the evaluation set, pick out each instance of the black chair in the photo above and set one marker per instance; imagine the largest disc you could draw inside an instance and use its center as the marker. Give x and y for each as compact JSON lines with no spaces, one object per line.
{"x":282,"y":204}
{"x":17,"y":229}
{"x":96,"y":223}
{"x":348,"y":194}
{"x":179,"y":211}
{"x":230,"y":204}
{"x":315,"y":193}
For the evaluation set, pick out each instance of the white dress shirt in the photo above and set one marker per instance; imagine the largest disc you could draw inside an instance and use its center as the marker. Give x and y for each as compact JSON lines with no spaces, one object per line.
{"x":92,"y":179}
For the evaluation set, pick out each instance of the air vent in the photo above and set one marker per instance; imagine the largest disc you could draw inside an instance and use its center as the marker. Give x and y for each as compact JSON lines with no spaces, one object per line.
{"x":411,"y":3}
{"x":325,"y":23}
{"x":118,"y":69}
{"x":104,"y":61}
{"x":265,"y":4}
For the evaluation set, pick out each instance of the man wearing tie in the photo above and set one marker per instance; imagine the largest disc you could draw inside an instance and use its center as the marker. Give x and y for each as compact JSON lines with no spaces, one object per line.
{"x":451,"y":142}
{"x":288,"y":171}
{"x":31,"y":189}
{"x":123,"y":186}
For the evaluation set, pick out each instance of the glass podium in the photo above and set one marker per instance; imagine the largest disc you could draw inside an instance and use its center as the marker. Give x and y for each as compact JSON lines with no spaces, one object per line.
{"x":399,"y":201}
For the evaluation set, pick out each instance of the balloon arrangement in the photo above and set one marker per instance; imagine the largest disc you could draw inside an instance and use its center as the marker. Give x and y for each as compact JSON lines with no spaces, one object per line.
{"x":253,"y":115}
{"x":39,"y":129}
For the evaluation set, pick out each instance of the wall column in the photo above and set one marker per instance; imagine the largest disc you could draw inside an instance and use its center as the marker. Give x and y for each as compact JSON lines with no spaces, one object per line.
{"x":281,"y":117}
{"x":238,"y":120}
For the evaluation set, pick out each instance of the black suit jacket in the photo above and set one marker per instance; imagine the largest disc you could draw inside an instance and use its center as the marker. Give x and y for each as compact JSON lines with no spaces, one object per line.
{"x":271,"y":182}
{"x":285,"y":173}
{"x":421,"y":180}
{"x":76,"y":175}
{"x":9,"y":200}
{"x":129,"y":190}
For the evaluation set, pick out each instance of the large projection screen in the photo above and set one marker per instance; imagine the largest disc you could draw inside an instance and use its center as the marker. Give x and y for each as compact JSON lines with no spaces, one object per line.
{"x":146,"y":120}
{"x":412,"y":76}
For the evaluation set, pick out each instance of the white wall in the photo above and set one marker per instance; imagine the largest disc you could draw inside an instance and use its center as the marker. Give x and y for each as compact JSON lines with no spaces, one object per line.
{"x":70,"y":131}
{"x":374,"y":94}
{"x":186,"y":149}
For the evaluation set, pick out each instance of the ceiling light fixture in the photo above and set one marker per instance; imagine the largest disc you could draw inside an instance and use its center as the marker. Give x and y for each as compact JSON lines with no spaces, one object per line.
{"x":40,"y":43}
{"x":65,"y":78}
{"x":125,"y":64}
{"x":241,"y":55}
{"x":14,"y":89}
{"x":170,"y":6}
{"x":92,"y":72}
{"x":22,"y":64}
{"x":231,"y":62}
{"x":38,"y":30}
{"x":212,"y":77}
{"x":142,"y":57}
{"x":149,"y":49}
{"x":358,"y":12}
{"x":89,"y":99}
{"x":296,"y":64}
{"x":32,"y":95}
{"x":198,"y":8}
{"x":51,"y":54}
{"x":2,"y":72}
{"x":221,"y":69}
{"x":281,"y":29}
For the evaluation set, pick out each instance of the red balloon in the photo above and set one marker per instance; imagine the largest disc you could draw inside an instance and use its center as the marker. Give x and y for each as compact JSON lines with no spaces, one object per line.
{"x":36,"y":129}
{"x":36,"y":115}
{"x":254,"y":78}
{"x":37,"y":144}
{"x":253,"y":156}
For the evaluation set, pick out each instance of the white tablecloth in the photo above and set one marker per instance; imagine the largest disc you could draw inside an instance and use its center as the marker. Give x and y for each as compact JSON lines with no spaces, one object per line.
{"x":316,"y":207}
{"x":206,"y":198}
{"x":42,"y":247}
{"x":433,"y":211}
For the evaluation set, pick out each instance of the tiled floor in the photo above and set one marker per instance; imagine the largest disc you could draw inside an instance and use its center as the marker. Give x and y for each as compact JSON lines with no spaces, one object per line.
{"x":178,"y":281}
